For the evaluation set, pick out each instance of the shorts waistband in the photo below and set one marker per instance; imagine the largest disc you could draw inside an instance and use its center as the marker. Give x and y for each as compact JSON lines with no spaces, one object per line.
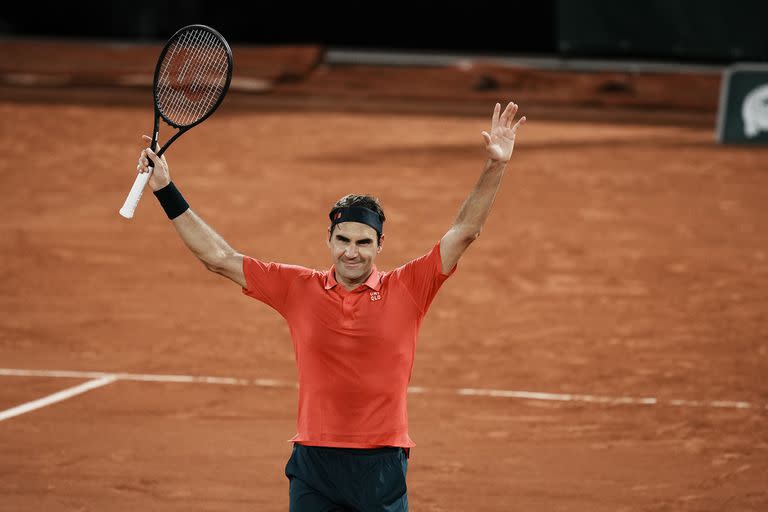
{"x":354,"y":451}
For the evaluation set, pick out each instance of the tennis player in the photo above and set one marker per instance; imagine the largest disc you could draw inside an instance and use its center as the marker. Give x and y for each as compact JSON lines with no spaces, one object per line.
{"x":354,"y":332}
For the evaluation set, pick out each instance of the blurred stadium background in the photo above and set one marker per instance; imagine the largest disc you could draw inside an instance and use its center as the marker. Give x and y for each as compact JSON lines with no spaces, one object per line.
{"x":707,"y":31}
{"x":560,"y":54}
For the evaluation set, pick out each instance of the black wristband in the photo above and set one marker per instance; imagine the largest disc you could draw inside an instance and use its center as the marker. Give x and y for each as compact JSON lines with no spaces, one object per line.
{"x":171,"y":200}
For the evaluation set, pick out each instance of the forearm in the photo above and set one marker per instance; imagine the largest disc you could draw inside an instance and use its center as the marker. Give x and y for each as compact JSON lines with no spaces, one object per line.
{"x":201,"y":239}
{"x":477,"y":206}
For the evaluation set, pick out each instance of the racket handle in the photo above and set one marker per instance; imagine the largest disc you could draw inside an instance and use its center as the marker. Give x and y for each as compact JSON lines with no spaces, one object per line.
{"x":134,"y":195}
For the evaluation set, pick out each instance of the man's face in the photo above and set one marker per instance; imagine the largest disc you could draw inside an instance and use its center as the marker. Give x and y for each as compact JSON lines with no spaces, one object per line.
{"x":353,"y":250}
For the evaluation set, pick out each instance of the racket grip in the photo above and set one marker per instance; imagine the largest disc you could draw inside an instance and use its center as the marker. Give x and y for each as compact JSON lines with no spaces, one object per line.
{"x":134,"y":195}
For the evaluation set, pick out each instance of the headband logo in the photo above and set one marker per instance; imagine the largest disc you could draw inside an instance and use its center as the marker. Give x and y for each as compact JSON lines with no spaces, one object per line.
{"x":337,"y":216}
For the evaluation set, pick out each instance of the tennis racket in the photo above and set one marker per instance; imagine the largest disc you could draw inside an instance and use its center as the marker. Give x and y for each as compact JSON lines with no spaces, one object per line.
{"x":192,"y":76}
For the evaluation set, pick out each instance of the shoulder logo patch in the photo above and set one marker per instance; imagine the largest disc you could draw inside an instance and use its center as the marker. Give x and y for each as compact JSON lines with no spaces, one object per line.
{"x":375,"y":296}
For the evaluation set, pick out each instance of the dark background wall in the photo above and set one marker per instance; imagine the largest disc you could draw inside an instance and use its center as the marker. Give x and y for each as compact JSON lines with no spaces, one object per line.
{"x":362,"y":25}
{"x":716,"y":31}
{"x":704,"y":30}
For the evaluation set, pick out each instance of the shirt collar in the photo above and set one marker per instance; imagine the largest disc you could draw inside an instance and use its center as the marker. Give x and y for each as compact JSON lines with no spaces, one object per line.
{"x":373,"y":282}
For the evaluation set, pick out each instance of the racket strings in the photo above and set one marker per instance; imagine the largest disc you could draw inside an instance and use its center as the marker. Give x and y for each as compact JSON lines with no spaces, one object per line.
{"x":191,"y":81}
{"x":192,"y":77}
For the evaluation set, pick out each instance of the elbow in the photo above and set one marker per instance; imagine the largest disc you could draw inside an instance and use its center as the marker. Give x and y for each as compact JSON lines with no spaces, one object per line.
{"x":214,"y":263}
{"x":466,"y":234}
{"x":470,"y":235}
{"x":212,"y":266}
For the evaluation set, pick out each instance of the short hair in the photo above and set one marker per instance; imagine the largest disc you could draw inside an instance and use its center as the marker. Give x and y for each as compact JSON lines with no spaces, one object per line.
{"x":364,"y":201}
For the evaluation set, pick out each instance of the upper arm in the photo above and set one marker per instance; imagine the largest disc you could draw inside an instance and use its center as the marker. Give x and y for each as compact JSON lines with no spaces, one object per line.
{"x":452,"y":246}
{"x":231,"y":267}
{"x":270,"y":282}
{"x":423,"y":277}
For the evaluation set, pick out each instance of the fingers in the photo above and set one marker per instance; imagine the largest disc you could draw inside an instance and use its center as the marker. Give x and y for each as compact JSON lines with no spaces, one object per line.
{"x":151,"y":156}
{"x":519,"y":123}
{"x":147,"y":158}
{"x":508,"y":115}
{"x":495,"y":118}
{"x":148,"y":140}
{"x":487,"y":138}
{"x":506,"y":118}
{"x":144,"y":162}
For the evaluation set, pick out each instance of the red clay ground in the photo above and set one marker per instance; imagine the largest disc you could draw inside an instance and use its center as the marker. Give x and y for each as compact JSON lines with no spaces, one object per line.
{"x":622,"y":259}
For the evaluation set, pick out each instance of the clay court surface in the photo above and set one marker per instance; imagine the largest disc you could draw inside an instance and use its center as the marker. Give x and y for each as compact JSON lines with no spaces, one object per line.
{"x":624,"y":264}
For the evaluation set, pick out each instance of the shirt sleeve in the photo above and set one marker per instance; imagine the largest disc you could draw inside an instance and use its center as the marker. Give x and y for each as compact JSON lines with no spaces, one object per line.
{"x":270,"y":282}
{"x":423,"y":277}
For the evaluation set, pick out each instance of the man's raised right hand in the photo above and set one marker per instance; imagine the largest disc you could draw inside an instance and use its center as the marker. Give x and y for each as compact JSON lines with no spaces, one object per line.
{"x":160,"y":176}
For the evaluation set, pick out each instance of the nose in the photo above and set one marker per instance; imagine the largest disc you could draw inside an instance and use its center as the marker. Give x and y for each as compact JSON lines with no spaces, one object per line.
{"x":350,"y":252}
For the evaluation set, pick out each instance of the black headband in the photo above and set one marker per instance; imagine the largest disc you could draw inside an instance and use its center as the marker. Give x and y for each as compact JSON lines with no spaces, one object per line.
{"x":356,"y":214}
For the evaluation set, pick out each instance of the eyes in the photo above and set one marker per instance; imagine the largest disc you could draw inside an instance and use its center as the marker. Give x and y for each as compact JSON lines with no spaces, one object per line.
{"x":345,"y":240}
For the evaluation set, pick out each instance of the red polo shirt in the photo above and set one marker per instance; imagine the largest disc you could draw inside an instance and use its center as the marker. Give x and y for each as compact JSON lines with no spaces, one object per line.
{"x":354,"y":349}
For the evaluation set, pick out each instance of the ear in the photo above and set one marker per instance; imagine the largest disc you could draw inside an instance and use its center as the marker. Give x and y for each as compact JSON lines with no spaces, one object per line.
{"x":381,"y":244}
{"x":328,"y":238}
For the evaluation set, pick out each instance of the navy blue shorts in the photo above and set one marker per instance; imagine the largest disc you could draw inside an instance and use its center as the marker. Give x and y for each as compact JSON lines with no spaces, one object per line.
{"x":347,"y":479}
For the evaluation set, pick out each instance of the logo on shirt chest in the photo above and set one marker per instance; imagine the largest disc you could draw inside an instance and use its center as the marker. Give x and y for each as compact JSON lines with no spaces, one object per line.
{"x":375,"y":296}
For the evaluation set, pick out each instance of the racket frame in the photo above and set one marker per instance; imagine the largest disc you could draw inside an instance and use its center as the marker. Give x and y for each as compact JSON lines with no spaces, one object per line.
{"x":159,"y":114}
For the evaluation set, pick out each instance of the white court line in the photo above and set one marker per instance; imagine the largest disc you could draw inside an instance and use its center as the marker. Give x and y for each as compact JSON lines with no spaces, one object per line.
{"x":498,"y":393}
{"x":559,"y":397}
{"x":56,"y":397}
{"x":231,"y":381}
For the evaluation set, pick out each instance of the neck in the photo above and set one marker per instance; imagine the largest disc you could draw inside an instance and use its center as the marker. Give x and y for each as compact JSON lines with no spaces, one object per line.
{"x":350,"y":285}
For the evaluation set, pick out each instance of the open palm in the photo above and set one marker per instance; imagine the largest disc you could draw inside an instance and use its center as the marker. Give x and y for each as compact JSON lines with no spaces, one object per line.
{"x":501,"y":140}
